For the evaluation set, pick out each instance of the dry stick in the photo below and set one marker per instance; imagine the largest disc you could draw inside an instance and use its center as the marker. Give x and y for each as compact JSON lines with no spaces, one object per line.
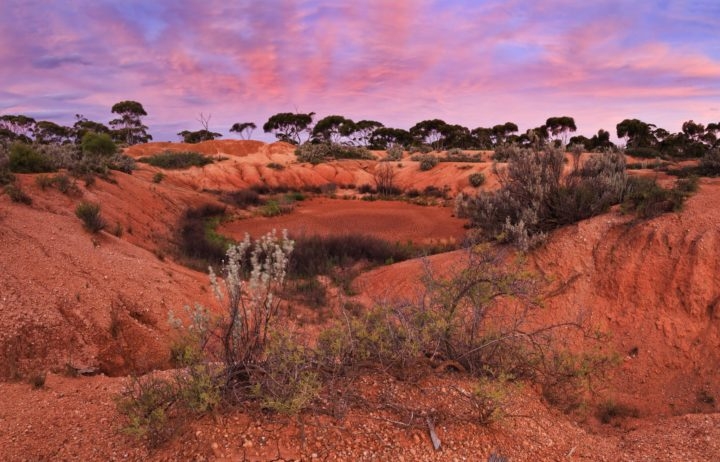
{"x":433,"y":436}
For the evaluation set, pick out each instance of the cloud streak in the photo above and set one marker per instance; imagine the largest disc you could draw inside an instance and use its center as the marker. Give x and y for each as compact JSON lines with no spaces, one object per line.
{"x":469,"y":62}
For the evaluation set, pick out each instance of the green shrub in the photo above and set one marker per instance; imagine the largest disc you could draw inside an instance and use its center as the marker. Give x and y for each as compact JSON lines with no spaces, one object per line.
{"x":198,"y":240}
{"x":148,"y":404}
{"x":274,"y":208}
{"x":64,"y":184}
{"x":476,"y":179}
{"x":647,"y":199}
{"x":98,"y":144}
{"x":316,"y":153}
{"x":89,"y":213}
{"x":289,"y":381}
{"x":427,"y":161}
{"x":709,"y":164}
{"x":174,"y":160}
{"x":16,"y":194}
{"x":158,"y":177}
{"x":24,"y":158}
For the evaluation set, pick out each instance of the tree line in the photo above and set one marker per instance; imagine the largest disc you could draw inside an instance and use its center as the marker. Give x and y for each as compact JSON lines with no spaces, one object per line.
{"x":641,"y":138}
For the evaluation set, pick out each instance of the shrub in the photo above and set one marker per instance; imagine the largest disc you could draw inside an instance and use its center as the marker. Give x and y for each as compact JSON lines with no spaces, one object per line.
{"x":316,"y":254}
{"x":242,"y":198}
{"x":384,"y":177}
{"x":316,"y":153}
{"x":476,"y":179}
{"x":275,"y":166}
{"x":148,"y":404}
{"x":289,"y":382}
{"x":609,"y":411}
{"x":6,"y":177}
{"x":709,"y":164}
{"x":534,"y":198}
{"x":16,"y":194}
{"x":309,"y":291}
{"x":274,"y":208}
{"x":64,"y":184}
{"x":98,"y":145}
{"x":366,"y":189}
{"x":427,"y":161}
{"x":394,"y":153}
{"x":89,"y":213}
{"x":313,"y":153}
{"x":504,"y":152}
{"x":648,"y":199}
{"x":44,"y":181}
{"x":458,"y":155}
{"x":24,"y":159}
{"x":173,"y":160}
{"x":198,"y":240}
{"x":158,"y":177}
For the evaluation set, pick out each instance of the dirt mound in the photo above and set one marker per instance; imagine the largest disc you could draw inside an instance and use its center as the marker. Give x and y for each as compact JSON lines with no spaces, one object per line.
{"x":89,"y":301}
{"x":654,"y":286}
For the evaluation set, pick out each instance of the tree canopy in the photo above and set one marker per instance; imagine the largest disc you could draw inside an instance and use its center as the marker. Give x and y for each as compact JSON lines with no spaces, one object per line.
{"x":289,"y":127}
{"x":333,"y":129}
{"x":560,"y":126}
{"x":244,"y":130}
{"x":128,"y":128}
{"x":198,"y":136}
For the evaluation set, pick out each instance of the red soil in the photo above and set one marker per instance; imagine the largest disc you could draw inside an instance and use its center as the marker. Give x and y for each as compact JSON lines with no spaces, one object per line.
{"x":67,"y":297}
{"x":394,"y":221}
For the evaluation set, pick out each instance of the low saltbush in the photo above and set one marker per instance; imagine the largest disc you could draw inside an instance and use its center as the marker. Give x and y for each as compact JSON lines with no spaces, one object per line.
{"x":16,"y":194}
{"x":177,"y":160}
{"x":476,"y":179}
{"x":89,"y":213}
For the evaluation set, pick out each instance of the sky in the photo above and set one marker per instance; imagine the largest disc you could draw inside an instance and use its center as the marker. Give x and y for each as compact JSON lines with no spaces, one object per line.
{"x":474,"y":63}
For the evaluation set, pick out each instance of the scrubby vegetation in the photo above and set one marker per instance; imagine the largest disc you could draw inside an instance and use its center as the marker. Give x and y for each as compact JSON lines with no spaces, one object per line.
{"x":316,"y":153}
{"x":315,"y":255}
{"x":427,"y":161}
{"x":177,"y":160}
{"x":535,"y":196}
{"x":199,"y":244}
{"x":16,"y":194}
{"x":89,"y":213}
{"x":476,"y":179}
{"x":394,"y":153}
{"x":478,"y":319}
{"x":647,"y":199}
{"x":24,"y":159}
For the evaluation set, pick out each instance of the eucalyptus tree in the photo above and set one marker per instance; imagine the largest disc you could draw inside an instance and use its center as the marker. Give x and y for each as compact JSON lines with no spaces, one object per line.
{"x":289,"y":126}
{"x":128,"y":128}
{"x":559,"y":127}
{"x":244,"y":129}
